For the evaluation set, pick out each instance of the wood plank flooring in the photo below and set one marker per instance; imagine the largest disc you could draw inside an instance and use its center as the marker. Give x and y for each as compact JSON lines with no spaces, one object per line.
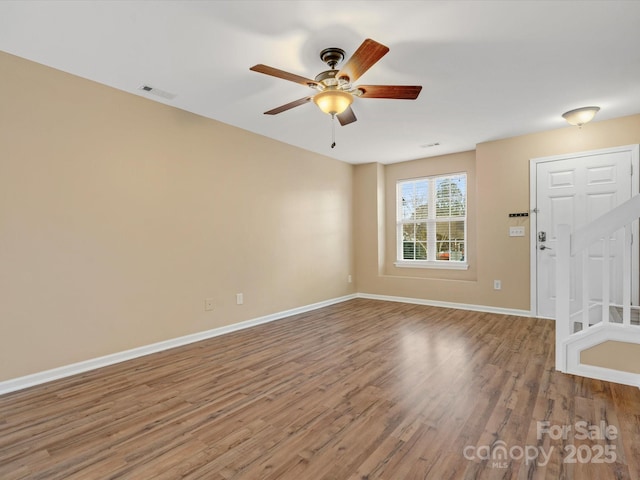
{"x":360,"y":390}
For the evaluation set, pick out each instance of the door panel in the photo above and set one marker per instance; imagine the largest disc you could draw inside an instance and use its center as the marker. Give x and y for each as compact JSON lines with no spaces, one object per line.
{"x":575,"y":190}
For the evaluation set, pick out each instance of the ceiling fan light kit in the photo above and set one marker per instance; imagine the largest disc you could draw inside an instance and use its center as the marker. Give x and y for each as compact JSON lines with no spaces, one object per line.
{"x":336,"y":90}
{"x":333,"y":102}
{"x":580,"y":116}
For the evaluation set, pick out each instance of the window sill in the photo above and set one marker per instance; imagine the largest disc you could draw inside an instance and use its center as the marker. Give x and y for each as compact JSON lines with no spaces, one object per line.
{"x":443,"y":265}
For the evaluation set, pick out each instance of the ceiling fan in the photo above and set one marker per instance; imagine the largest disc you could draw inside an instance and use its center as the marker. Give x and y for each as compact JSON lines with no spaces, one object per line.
{"x":336,"y":90}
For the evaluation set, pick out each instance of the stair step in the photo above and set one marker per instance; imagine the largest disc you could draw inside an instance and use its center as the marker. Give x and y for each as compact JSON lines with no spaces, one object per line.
{"x":615,"y":316}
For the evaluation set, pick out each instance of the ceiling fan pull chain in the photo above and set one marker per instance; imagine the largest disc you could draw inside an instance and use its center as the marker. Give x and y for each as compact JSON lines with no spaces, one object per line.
{"x":333,"y":130}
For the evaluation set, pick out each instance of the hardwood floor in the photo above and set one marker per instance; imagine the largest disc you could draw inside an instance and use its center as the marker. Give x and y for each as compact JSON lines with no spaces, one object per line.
{"x":361,"y":390}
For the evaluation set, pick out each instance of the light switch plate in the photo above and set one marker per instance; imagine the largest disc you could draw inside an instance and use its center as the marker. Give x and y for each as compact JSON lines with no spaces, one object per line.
{"x":516,"y":231}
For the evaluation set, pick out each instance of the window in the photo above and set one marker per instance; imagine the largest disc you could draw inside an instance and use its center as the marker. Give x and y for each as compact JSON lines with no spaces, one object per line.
{"x":432,"y":222}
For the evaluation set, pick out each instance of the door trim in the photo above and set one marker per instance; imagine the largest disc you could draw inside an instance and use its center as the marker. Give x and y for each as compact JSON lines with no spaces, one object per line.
{"x":533,"y":223}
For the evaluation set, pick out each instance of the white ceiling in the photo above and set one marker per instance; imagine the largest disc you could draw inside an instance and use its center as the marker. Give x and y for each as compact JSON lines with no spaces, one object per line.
{"x":489,"y":69}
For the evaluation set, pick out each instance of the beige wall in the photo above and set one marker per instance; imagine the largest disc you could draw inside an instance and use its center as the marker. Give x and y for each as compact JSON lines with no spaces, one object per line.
{"x":615,"y":355}
{"x":501,"y":170}
{"x":119,"y":216}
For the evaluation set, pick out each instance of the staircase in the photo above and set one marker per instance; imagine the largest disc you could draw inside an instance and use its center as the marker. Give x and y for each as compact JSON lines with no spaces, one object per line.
{"x":586,"y":318}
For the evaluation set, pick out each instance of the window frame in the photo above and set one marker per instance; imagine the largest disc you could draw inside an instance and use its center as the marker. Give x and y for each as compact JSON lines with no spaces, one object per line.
{"x":431,"y":222}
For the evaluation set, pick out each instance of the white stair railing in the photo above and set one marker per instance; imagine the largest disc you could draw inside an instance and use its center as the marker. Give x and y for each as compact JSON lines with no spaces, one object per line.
{"x":594,"y":318}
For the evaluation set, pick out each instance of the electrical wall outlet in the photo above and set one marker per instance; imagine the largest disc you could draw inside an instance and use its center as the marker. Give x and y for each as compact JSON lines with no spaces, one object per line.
{"x":349,"y":279}
{"x":239,"y":298}
{"x":208,"y":304}
{"x":497,"y":285}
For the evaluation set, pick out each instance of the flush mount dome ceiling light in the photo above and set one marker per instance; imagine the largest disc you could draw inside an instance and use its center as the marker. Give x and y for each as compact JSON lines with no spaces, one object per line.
{"x":580,"y":116}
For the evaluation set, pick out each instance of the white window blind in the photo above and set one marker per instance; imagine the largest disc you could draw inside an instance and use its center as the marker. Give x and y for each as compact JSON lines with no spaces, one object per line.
{"x":432,"y":220}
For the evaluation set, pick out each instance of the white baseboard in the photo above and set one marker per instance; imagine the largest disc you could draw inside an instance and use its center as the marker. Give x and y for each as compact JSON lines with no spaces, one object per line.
{"x":87,"y":365}
{"x":459,"y":306}
{"x":20,"y":383}
{"x":606,"y":374}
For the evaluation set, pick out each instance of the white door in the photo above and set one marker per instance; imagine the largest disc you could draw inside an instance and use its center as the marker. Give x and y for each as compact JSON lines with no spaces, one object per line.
{"x":575,"y":189}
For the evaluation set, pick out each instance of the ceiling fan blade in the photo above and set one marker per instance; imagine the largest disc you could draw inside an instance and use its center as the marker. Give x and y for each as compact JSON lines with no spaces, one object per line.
{"x":364,"y":57}
{"x":288,"y":106}
{"x":347,"y":117}
{"x":292,"y":77}
{"x":401,"y":92}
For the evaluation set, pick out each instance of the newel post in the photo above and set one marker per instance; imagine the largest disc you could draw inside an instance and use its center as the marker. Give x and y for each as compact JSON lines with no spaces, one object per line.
{"x":563,"y":279}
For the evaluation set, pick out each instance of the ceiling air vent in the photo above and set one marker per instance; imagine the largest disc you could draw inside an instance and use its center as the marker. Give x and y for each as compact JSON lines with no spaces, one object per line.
{"x":157,"y":92}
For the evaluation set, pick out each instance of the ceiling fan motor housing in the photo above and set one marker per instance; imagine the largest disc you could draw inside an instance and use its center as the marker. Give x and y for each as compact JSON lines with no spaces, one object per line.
{"x":327,"y":78}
